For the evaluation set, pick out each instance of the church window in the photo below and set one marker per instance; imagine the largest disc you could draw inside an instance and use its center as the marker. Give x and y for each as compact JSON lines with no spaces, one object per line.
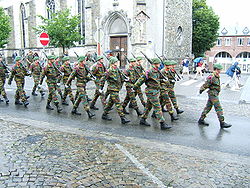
{"x":51,"y":8}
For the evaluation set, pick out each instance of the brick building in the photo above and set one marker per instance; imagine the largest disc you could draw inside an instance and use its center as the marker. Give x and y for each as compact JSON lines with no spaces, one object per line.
{"x":162,"y":26}
{"x":233,"y":44}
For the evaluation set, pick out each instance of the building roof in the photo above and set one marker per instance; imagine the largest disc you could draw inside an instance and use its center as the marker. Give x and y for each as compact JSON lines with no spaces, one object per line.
{"x":234,"y":31}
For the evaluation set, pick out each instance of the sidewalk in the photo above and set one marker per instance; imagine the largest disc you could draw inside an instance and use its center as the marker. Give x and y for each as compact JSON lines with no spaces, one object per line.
{"x":41,"y":154}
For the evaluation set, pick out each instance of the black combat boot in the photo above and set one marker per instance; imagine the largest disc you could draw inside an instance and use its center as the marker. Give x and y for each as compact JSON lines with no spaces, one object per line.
{"x":26,"y":103}
{"x":124,"y":120}
{"x":163,"y":109}
{"x":27,"y":96}
{"x":17,"y":102}
{"x":165,"y":126}
{"x":6,"y":100}
{"x":173,"y":118}
{"x":59,"y":109}
{"x":106,"y":117}
{"x":93,"y":107}
{"x":74,"y":111}
{"x":89,"y":99}
{"x":90,"y":114}
{"x":42,"y":93}
{"x":125,"y":111}
{"x":49,"y":107}
{"x":144,"y":122}
{"x":224,"y":125}
{"x":1,"y":100}
{"x":202,"y":122}
{"x":178,"y":111}
{"x":33,"y":93}
{"x":139,"y":113}
{"x":153,"y":115}
{"x":64,"y":102}
{"x":130,"y":105}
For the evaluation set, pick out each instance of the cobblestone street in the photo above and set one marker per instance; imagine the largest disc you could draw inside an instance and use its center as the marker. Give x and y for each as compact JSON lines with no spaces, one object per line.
{"x":40,"y":154}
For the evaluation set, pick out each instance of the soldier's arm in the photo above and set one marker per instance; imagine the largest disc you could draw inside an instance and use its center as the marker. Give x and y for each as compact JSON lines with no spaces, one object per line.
{"x":42,"y":75}
{"x":71,"y":77}
{"x":207,"y":84}
{"x":140,"y":81}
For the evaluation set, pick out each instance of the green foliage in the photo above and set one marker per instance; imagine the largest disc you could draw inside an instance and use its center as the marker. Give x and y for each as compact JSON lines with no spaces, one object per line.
{"x":205,"y":27}
{"x":62,"y":29}
{"x":5,"y":28}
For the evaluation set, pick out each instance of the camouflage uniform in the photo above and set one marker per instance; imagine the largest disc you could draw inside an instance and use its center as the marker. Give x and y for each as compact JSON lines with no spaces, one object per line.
{"x":3,"y":73}
{"x":98,"y":70}
{"x":132,"y":73}
{"x":29,"y":59}
{"x":52,"y":75}
{"x":36,"y":70}
{"x":115,"y":79}
{"x":58,"y":64}
{"x":152,"y":80}
{"x":19,"y":72}
{"x":82,"y":76}
{"x":66,"y":69}
{"x":213,"y":85}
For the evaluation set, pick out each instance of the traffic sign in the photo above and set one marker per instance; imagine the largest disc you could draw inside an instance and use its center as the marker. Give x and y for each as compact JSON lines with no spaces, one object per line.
{"x":44,"y":39}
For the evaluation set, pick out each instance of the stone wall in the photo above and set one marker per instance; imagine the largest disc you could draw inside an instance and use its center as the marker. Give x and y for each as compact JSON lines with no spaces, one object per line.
{"x":31,"y":24}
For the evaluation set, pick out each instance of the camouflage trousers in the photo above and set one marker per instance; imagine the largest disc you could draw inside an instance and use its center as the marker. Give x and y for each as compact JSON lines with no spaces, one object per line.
{"x":2,"y":90}
{"x":153,"y":102}
{"x":36,"y":79}
{"x":166,"y":101}
{"x":82,"y":97}
{"x":172,"y":96}
{"x":114,"y":99}
{"x":140,"y":95}
{"x":130,"y":97}
{"x":97,"y":95}
{"x":67,"y":91}
{"x":52,"y":87}
{"x":20,"y":93}
{"x":213,"y":101}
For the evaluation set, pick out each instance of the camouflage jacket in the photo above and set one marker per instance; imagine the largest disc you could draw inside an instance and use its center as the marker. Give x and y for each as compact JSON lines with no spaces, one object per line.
{"x":3,"y":70}
{"x":18,"y":72}
{"x":81,"y":74}
{"x":35,"y":69}
{"x":114,"y":78}
{"x":165,"y":84}
{"x":151,"y":78}
{"x":51,"y":73}
{"x":99,"y":71}
{"x":171,"y":77}
{"x":140,"y":71}
{"x":133,"y":75}
{"x":67,"y":70}
{"x":212,"y":84}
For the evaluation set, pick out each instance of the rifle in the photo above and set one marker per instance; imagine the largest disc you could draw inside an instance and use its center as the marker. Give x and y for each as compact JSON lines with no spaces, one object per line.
{"x":23,"y":66}
{"x":133,"y":67}
{"x":55,"y":67}
{"x":179,"y":78}
{"x":6,"y":67}
{"x":133,"y":55}
{"x":119,"y":70}
{"x":87,"y":69}
{"x":164,"y":77}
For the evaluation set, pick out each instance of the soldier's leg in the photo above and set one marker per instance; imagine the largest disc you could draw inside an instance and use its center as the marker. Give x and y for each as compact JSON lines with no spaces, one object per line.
{"x":206,"y":110}
{"x":165,"y":101}
{"x":140,"y":94}
{"x":127,"y":98}
{"x":172,"y":96}
{"x":2,"y":90}
{"x":217,"y":107}
{"x":84,"y":99}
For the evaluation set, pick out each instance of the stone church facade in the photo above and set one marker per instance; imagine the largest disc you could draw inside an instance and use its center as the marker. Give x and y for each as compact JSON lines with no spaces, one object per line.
{"x":124,"y":27}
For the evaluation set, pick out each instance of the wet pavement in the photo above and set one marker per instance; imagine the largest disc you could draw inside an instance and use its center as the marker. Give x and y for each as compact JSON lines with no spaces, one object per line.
{"x":43,"y":148}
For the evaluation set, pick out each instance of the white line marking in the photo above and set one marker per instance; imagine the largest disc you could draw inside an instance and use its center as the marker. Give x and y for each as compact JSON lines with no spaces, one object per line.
{"x":140,"y":166}
{"x":189,"y":82}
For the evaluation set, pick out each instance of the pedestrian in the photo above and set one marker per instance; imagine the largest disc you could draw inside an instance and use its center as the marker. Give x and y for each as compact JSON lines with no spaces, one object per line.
{"x":18,"y":73}
{"x":66,"y":70}
{"x":52,"y":75}
{"x":3,"y":74}
{"x":199,"y":67}
{"x":185,"y":67}
{"x":213,"y":85}
{"x":115,"y":79}
{"x":36,"y":70}
{"x":233,"y":72}
{"x":152,"y":80}
{"x":132,"y":74}
{"x":99,"y":71}
{"x":82,"y":75}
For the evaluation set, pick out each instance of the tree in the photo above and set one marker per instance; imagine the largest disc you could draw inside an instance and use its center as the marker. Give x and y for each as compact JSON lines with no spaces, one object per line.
{"x":62,"y":29}
{"x":205,"y":27}
{"x":5,"y":28}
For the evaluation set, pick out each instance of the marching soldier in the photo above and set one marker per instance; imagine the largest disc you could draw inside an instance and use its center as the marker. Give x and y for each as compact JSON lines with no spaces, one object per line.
{"x":36,"y":70}
{"x":98,"y":70}
{"x":19,"y":72}
{"x":132,"y":73}
{"x":57,"y":65}
{"x":66,"y":70}
{"x":29,"y":58}
{"x":170,"y":72}
{"x":152,"y":80}
{"x":115,"y":79}
{"x":81,"y":73}
{"x":52,"y":75}
{"x":213,"y":85}
{"x":3,"y":72}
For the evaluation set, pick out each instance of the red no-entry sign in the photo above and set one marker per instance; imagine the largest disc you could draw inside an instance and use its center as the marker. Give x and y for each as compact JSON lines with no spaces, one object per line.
{"x":44,"y":39}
